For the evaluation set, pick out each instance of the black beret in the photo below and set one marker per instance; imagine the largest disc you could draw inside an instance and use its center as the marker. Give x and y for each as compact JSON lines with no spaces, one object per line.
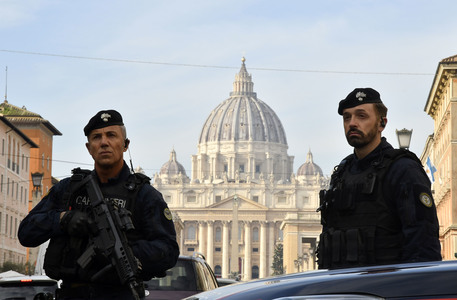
{"x":359,"y":96}
{"x":102,"y":119}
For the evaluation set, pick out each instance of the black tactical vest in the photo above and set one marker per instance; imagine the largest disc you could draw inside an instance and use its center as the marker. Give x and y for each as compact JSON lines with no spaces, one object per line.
{"x":359,"y":227}
{"x":63,"y":252}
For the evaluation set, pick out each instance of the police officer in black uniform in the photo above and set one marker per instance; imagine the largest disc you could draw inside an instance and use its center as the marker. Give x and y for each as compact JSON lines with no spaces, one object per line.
{"x":63,"y":216}
{"x":379,"y":207}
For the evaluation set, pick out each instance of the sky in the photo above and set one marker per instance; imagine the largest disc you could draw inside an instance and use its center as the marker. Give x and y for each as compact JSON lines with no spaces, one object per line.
{"x":165,"y":65}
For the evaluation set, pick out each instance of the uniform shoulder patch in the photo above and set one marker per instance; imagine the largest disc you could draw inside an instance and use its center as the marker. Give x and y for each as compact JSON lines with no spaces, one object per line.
{"x":426,"y":199}
{"x":167,"y":214}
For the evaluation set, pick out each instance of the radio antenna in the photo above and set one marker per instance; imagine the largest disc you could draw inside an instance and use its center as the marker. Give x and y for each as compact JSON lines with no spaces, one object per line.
{"x":131,"y":164}
{"x":6,"y":84}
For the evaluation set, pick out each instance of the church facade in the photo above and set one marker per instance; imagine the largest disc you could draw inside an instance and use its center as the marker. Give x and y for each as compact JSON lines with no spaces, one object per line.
{"x":243,"y":198}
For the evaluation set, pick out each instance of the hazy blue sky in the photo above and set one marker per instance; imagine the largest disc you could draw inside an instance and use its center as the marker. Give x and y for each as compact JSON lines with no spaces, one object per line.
{"x":165,"y":65}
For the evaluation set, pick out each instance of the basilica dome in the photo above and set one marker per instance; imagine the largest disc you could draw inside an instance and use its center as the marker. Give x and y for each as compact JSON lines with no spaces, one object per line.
{"x":172,"y":167}
{"x":309,"y":167}
{"x":243,"y":117}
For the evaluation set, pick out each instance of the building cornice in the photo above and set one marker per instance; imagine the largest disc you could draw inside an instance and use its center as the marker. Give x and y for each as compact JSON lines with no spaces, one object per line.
{"x":446,"y":68}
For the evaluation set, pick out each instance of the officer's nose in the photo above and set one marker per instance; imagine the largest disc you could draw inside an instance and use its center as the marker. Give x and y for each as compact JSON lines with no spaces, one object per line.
{"x":352,"y":122}
{"x":104,"y":140}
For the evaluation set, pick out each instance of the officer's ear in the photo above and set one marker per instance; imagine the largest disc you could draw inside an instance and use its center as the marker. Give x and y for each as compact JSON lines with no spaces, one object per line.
{"x":383,"y":123}
{"x":126,"y":144}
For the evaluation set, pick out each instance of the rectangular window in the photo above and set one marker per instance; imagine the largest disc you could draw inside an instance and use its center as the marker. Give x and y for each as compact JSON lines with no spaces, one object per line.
{"x":191,"y":249}
{"x":225,"y":168}
{"x":191,"y":199}
{"x":241,"y":168}
{"x":218,"y":249}
{"x":305,"y":200}
{"x":168,"y":198}
{"x":255,"y":198}
{"x":282,"y":199}
{"x":257,"y":169}
{"x":255,"y":249}
{"x":218,"y":199}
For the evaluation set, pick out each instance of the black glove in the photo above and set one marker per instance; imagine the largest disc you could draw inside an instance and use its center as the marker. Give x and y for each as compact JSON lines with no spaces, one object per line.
{"x":75,"y":223}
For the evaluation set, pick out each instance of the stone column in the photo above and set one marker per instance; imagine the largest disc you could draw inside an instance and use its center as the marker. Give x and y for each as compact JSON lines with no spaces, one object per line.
{"x":234,"y":248}
{"x":210,"y":244}
{"x":201,"y":238}
{"x":271,"y":247}
{"x":247,"y":251}
{"x":225,"y":249}
{"x":263,"y":250}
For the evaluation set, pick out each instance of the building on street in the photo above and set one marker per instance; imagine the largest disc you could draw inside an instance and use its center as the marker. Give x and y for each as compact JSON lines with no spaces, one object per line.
{"x":440,"y":152}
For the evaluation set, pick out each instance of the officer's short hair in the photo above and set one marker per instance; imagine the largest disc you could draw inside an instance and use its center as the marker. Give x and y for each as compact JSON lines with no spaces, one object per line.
{"x":381,"y":109}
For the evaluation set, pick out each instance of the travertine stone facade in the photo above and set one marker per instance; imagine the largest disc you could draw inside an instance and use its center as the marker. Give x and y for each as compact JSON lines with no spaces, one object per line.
{"x":441,"y":149}
{"x":243,"y":197}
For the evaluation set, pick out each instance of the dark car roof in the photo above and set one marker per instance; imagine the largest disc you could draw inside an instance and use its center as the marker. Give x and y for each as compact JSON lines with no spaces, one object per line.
{"x":416,"y":279}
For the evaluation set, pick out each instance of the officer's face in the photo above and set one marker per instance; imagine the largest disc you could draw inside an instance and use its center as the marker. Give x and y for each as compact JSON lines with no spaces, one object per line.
{"x":107,"y":147}
{"x":362,"y":126}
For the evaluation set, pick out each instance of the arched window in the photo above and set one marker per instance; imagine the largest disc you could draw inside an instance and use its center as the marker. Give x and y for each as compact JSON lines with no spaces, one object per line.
{"x":218,"y":234}
{"x":255,"y":234}
{"x":218,"y":271}
{"x":255,"y":272}
{"x":191,"y":232}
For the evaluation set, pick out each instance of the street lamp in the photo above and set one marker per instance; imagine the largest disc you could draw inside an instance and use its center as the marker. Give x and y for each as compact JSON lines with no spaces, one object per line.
{"x":404,"y":138}
{"x":298,"y":262}
{"x":36,"y":180}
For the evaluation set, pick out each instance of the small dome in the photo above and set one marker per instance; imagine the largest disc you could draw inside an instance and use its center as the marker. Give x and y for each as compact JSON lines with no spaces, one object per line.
{"x":172,"y":167}
{"x":309,"y":167}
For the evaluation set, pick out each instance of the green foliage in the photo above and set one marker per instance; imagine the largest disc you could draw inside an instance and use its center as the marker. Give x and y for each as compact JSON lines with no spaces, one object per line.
{"x":26,"y":268}
{"x":234,"y":275}
{"x":277,"y":265}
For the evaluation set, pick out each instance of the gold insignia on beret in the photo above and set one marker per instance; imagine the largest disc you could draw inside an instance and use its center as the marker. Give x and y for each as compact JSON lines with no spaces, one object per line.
{"x":167,"y":214}
{"x":105,"y":117}
{"x":360,"y":96}
{"x":426,"y":199}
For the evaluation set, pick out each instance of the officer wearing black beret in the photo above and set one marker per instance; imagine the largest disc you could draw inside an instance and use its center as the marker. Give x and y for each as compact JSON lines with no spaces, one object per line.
{"x":379,"y":207}
{"x":65,"y":216}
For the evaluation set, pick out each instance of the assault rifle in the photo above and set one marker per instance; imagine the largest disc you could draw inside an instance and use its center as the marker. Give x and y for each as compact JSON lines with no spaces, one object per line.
{"x":108,"y":239}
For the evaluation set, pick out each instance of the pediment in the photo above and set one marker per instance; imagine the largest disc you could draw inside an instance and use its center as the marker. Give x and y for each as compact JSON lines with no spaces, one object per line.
{"x":243,"y":204}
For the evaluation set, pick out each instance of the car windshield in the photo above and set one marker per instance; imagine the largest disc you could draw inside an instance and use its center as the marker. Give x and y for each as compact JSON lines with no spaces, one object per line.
{"x":25,"y":290}
{"x":180,"y":278}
